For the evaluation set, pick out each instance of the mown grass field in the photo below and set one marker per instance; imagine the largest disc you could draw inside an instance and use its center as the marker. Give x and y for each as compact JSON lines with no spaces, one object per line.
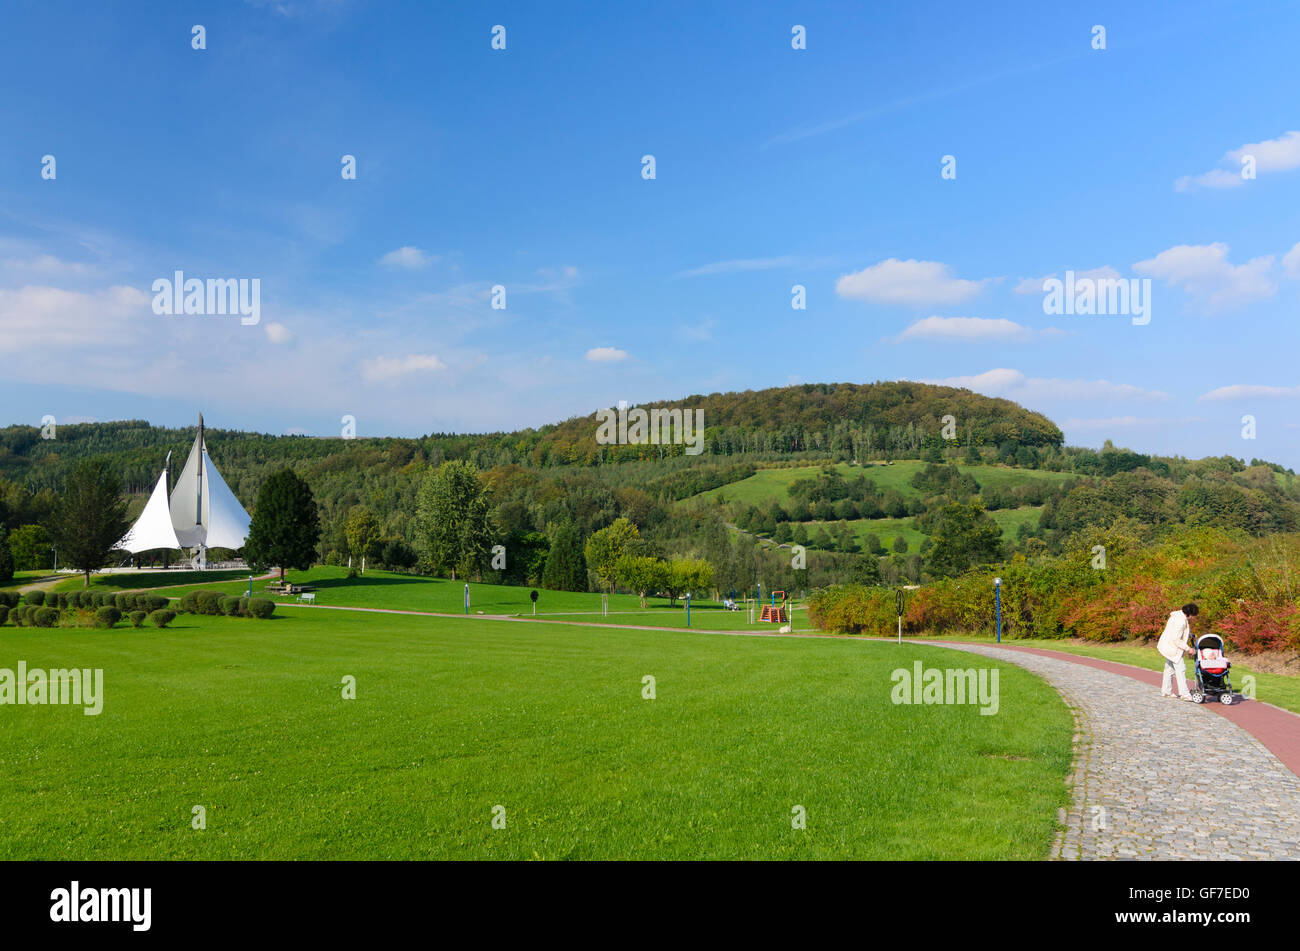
{"x":21,"y":578}
{"x":453,"y":717}
{"x":386,"y":589}
{"x":887,"y":529}
{"x":768,"y":484}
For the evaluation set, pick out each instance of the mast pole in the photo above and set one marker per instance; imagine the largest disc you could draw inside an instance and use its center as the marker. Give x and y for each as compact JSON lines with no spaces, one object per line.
{"x":198,"y":503}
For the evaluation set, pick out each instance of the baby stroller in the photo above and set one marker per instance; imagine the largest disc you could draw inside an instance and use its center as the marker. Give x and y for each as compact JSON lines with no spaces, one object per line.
{"x":1212,"y":671}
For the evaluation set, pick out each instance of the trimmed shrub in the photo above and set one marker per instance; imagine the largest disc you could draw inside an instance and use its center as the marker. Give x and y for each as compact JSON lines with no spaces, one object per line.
{"x":243,"y":607}
{"x":261,"y":608}
{"x":137,"y":617}
{"x":151,"y":602}
{"x":35,"y":597}
{"x":162,"y":618}
{"x":19,"y":614}
{"x":4,"y":613}
{"x":46,"y":617}
{"x":190,"y":602}
{"x":209,"y":602}
{"x":107,"y":616}
{"x":123,"y":602}
{"x":230,"y":607}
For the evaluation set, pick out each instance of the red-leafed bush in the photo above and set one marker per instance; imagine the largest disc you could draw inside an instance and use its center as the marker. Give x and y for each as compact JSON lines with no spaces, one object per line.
{"x":1255,"y":626}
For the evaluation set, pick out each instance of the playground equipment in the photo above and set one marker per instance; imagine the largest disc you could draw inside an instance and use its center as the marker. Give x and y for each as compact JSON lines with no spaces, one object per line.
{"x":776,"y":613}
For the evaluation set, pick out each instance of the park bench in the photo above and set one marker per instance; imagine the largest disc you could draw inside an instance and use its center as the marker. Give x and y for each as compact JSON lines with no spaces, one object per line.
{"x":307,"y":597}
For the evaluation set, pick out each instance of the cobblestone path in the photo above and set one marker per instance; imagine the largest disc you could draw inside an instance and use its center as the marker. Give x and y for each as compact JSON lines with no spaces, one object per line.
{"x":1162,"y":779}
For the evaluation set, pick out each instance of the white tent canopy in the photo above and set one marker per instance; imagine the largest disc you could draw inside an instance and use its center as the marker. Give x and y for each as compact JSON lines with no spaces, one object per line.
{"x":153,"y":529}
{"x":202,"y":512}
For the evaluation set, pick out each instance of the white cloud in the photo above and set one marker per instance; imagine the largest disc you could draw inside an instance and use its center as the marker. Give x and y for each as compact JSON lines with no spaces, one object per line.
{"x":907,"y":282}
{"x":1014,"y":385}
{"x":278,"y":333}
{"x":739,"y":265}
{"x":1205,"y":271}
{"x":606,"y":355}
{"x":1291,"y":262}
{"x":1241,"y":391}
{"x":47,"y":265}
{"x":1129,"y":422}
{"x":967,"y":329}
{"x":391,"y":369}
{"x":1034,"y":285}
{"x":1214,"y":178}
{"x":413,"y":259}
{"x":1271,"y":155}
{"x":34,"y":318}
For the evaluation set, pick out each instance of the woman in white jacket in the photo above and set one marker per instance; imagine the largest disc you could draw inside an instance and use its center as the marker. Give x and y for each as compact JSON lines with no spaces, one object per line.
{"x":1173,"y":645}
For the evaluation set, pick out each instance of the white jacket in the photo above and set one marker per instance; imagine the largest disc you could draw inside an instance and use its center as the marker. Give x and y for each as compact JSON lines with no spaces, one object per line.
{"x":1174,"y":640}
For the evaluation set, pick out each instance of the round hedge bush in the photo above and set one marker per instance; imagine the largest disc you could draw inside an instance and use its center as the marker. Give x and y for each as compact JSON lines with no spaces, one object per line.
{"x":4,"y":613}
{"x":151,"y":602}
{"x":230,"y":607}
{"x":123,"y":602}
{"x":107,"y":616}
{"x":137,"y":617}
{"x":46,"y":617}
{"x":36,"y":598}
{"x":162,"y":618}
{"x":209,"y":602}
{"x":261,"y":607}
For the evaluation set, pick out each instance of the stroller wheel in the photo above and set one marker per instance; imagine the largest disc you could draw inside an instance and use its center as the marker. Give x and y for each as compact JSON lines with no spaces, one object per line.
{"x":1227,"y":698}
{"x":1198,"y":696}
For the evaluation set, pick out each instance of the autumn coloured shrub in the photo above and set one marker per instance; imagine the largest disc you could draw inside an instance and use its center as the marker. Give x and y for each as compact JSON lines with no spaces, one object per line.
{"x":1255,"y":626}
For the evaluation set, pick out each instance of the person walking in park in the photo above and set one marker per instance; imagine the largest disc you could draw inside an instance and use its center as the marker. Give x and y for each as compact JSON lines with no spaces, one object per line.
{"x":1173,"y":645}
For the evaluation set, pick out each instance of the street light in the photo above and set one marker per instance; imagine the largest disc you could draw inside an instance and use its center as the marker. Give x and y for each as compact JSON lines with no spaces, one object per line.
{"x":997,"y":594}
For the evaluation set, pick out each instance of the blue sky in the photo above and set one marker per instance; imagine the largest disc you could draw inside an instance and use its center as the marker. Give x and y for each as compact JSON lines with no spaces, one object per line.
{"x":522,"y":168}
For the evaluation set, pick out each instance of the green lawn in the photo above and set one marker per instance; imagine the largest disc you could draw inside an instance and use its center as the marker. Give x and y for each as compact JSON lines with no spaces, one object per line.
{"x":887,"y":529}
{"x":21,"y":578}
{"x":768,"y":484}
{"x":456,"y":716}
{"x":1281,"y":690}
{"x":386,"y":589}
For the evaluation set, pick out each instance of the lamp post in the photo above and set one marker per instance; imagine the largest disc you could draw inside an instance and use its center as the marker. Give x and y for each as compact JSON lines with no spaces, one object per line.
{"x":467,"y":599}
{"x":688,"y":609}
{"x":997,"y":595}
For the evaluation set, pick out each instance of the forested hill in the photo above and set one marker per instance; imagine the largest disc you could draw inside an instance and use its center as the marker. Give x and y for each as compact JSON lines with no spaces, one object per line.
{"x":901,"y":417}
{"x":834,"y":419}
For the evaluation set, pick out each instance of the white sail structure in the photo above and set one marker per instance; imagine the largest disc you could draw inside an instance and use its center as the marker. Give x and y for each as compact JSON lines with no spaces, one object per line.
{"x":201,"y":513}
{"x":153,"y":529}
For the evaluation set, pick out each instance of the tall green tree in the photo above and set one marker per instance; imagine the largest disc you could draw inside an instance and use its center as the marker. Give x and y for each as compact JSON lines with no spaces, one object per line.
{"x":686,"y":574}
{"x":963,"y":536}
{"x":607,"y":546}
{"x":363,"y":533}
{"x":285,"y":526}
{"x":30,"y":546}
{"x":642,"y":574}
{"x":566,"y":568}
{"x":6,"y":559}
{"x":89,"y":518}
{"x":453,"y":517}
